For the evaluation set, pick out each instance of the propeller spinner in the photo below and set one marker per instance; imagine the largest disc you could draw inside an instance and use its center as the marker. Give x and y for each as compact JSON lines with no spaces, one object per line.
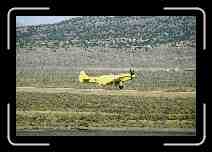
{"x":132,"y":73}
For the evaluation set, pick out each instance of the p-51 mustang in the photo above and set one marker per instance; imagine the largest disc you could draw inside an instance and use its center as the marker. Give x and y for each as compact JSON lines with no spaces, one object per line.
{"x":110,"y":79}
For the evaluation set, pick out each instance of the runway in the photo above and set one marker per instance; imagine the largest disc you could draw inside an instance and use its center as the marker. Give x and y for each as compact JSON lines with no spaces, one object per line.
{"x":158,"y":93}
{"x":108,"y":132}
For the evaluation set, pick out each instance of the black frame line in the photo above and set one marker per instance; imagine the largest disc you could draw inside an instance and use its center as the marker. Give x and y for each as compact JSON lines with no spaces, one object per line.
{"x":16,"y":9}
{"x":8,"y":48}
{"x":194,"y":9}
{"x":204,"y":133}
{"x":19,"y":144}
{"x":48,"y":8}
{"x":204,"y":48}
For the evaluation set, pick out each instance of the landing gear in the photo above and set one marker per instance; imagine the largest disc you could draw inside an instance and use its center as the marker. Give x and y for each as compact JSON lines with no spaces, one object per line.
{"x":121,"y":86}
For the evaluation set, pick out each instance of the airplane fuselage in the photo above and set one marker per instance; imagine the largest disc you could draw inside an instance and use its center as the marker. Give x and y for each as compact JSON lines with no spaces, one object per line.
{"x":117,"y":80}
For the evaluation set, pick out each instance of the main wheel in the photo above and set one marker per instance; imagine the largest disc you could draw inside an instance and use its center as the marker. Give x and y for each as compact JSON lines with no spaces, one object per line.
{"x":121,"y":86}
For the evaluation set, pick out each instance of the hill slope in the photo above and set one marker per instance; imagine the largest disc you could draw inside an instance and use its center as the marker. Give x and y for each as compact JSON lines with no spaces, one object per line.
{"x":112,"y":31}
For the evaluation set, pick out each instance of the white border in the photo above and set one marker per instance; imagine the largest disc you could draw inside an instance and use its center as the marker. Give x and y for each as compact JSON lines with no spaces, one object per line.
{"x":196,"y":9}
{"x":8,"y":48}
{"x":16,"y":9}
{"x":48,"y":144}
{"x":19,"y":144}
{"x":204,"y":48}
{"x":203,"y":138}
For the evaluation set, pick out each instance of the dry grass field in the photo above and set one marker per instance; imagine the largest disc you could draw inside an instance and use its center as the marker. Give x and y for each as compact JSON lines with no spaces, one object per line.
{"x":49,"y":95}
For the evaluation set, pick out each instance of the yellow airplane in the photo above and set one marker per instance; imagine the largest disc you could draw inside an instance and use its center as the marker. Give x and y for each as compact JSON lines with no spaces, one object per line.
{"x":110,"y":79}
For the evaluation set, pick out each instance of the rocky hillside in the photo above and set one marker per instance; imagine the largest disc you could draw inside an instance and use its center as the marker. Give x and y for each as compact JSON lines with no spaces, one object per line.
{"x":109,"y":31}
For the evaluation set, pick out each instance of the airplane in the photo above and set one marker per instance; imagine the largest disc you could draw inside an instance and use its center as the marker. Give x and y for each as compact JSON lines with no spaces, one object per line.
{"x":110,"y":79}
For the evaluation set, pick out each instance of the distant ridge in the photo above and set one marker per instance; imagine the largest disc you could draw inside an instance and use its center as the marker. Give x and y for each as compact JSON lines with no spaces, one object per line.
{"x":125,"y":30}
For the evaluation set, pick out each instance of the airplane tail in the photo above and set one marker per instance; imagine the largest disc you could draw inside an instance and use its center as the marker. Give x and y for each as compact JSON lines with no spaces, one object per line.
{"x":83,"y":77}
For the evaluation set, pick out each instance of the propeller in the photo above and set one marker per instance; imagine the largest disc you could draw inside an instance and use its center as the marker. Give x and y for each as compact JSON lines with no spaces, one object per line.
{"x":132,"y":72}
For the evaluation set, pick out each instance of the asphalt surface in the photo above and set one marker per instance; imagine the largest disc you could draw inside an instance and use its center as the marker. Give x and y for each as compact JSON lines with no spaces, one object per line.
{"x":108,"y":132}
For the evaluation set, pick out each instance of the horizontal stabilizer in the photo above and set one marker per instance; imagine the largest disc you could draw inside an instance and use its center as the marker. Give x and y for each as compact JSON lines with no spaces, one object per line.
{"x":83,"y":77}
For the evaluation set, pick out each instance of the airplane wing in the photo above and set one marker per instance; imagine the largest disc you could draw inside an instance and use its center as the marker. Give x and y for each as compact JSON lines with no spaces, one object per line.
{"x":105,"y":79}
{"x":109,"y":79}
{"x":123,"y":77}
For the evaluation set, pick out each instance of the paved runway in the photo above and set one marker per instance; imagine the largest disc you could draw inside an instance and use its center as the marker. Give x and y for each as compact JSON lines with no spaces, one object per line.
{"x":109,"y":132}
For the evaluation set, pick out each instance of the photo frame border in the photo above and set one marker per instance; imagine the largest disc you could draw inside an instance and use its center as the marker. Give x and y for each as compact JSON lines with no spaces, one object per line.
{"x":48,"y":8}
